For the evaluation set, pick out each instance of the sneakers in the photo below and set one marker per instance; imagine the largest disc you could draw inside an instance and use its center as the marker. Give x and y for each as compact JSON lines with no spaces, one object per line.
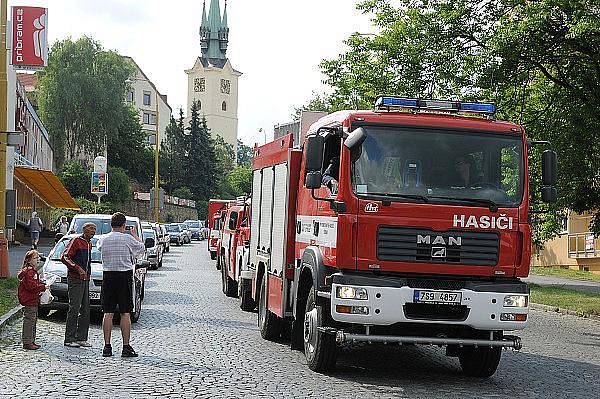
{"x":72,"y":344}
{"x":84,"y":344}
{"x":107,"y":351}
{"x":128,"y":351}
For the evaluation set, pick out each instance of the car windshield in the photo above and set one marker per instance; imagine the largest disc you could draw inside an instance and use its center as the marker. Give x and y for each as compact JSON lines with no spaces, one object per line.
{"x":62,"y":245}
{"x":173,"y":228}
{"x":102,"y":225}
{"x":193,"y":225}
{"x":148,"y":234}
{"x":456,"y":166}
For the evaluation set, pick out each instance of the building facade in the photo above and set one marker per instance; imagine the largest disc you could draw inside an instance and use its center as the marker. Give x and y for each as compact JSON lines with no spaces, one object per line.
{"x":212,"y":81}
{"x":298,"y":128}
{"x":143,"y":97}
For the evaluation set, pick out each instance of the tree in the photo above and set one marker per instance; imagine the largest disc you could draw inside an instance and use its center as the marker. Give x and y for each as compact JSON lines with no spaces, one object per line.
{"x":183,"y":192}
{"x":170,"y":157}
{"x":119,"y":187}
{"x":200,"y":166}
{"x":536,"y":59}
{"x":240,"y":180}
{"x":77,"y":179}
{"x":81,"y":97}
{"x":244,"y":154}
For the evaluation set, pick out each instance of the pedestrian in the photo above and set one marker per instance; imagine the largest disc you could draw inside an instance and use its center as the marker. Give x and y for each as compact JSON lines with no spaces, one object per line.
{"x":62,"y":226}
{"x":119,"y":251}
{"x":78,"y":259}
{"x":30,"y":289}
{"x":36,"y":226}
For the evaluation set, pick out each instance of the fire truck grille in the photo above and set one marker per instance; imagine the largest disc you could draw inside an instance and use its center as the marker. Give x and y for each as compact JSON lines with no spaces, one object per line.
{"x":405,"y":244}
{"x":436,"y":284}
{"x":430,"y":311}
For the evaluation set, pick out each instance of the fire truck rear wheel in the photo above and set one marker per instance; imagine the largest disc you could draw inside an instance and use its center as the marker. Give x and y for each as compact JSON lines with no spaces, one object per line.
{"x":247,"y":304}
{"x":269,"y":323}
{"x":480,"y":362}
{"x":320,"y":348}
{"x":228,"y":285}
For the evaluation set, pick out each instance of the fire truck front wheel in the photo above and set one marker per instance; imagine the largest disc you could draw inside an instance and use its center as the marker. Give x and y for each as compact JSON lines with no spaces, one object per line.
{"x":479,"y":362}
{"x":247,"y":304}
{"x":269,"y":323}
{"x":320,"y":348}
{"x":229,"y":286}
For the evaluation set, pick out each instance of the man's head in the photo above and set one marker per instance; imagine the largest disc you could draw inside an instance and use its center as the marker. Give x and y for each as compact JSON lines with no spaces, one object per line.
{"x":117,"y":222}
{"x":63,"y":219}
{"x":463,"y":167}
{"x":89,"y":230}
{"x":33,"y":214}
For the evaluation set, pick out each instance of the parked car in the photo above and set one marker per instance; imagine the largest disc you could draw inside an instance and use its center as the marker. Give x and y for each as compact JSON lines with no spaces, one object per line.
{"x":102,"y":222}
{"x":176,"y":234}
{"x":59,"y":289}
{"x":195,"y":229}
{"x":155,"y":252}
{"x":165,"y":238}
{"x":187,"y":232}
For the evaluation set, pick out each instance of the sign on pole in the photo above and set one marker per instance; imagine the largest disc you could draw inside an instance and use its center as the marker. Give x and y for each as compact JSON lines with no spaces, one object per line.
{"x":99,"y":184}
{"x":29,"y":37}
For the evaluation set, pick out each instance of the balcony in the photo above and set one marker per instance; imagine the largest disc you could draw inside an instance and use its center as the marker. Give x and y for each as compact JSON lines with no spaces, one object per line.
{"x":584,"y":245}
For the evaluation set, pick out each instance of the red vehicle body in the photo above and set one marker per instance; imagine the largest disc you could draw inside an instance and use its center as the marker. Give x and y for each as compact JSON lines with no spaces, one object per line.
{"x":404,"y":249}
{"x":215,"y":207}
{"x":233,"y":249}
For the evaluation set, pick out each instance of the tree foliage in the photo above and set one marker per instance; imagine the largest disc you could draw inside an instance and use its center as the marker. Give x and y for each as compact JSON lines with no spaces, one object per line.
{"x":244,"y":153}
{"x":81,"y":96}
{"x":77,"y":179}
{"x":538,"y":60}
{"x":201,"y":162}
{"x":119,"y":186}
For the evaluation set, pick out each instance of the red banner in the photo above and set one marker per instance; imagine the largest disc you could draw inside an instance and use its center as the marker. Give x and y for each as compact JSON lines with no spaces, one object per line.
{"x":29,"y":37}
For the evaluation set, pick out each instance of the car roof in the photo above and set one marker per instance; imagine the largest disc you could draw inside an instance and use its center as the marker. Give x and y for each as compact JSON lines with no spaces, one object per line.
{"x":92,"y":215}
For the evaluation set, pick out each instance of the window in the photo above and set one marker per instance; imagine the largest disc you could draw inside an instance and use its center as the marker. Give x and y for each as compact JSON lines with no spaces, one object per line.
{"x":146,"y":119}
{"x":147,"y":98}
{"x":131,"y":97}
{"x":149,"y":119}
{"x":199,"y":85}
{"x":224,"y":106}
{"x":199,"y":104}
{"x":225,"y":86}
{"x":150,"y":138}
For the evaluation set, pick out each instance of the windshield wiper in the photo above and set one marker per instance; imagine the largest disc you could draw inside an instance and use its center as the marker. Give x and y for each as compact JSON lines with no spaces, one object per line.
{"x":421,"y":198}
{"x":488,"y":202}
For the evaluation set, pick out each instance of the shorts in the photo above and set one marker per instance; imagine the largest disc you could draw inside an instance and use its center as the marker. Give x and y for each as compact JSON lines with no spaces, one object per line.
{"x":35,"y":235}
{"x":117,"y":292}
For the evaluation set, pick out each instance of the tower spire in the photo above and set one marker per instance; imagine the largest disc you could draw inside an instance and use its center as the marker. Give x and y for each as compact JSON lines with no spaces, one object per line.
{"x":214,"y":33}
{"x":224,"y":24}
{"x":204,"y":20}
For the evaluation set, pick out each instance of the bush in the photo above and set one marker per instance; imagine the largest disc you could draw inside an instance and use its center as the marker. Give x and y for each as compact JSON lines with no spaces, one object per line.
{"x":77,"y":179}
{"x":119,"y":187}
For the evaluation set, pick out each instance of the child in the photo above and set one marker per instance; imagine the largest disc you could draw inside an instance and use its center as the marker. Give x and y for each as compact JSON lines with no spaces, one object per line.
{"x":30,"y":289}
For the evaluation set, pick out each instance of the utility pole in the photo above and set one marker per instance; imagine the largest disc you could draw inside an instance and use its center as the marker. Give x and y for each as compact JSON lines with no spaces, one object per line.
{"x":156,"y":179}
{"x":3,"y":114}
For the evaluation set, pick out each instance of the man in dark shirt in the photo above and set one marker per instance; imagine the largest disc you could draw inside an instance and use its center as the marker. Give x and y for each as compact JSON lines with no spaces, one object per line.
{"x":78,"y":259}
{"x":332,"y":175}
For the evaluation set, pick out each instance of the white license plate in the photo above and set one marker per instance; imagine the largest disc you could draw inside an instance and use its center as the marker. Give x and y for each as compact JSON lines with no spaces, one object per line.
{"x":94,"y":295}
{"x":445,"y":297}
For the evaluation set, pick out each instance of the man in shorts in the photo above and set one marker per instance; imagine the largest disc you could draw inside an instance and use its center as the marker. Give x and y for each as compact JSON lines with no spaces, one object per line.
{"x":119,"y":251}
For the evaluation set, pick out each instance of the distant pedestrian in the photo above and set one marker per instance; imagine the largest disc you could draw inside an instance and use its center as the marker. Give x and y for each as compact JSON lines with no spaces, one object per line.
{"x":30,"y":289}
{"x":119,"y":251}
{"x":36,"y":226}
{"x":62,"y":226}
{"x":78,"y":259}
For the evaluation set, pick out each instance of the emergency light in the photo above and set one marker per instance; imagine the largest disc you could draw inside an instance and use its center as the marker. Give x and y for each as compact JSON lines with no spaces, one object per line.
{"x":388,"y":102}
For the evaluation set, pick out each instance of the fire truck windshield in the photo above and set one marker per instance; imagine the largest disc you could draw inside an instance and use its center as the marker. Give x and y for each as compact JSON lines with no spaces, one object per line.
{"x":439,"y":166}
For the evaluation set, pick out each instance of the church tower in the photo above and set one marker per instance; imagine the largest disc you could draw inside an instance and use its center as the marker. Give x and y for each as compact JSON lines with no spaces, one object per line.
{"x":212,"y":80}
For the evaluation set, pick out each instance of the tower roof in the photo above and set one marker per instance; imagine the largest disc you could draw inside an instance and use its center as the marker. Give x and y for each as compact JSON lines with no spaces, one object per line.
{"x":214,"y":32}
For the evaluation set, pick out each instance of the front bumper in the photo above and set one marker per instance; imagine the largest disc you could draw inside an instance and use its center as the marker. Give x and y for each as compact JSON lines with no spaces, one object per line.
{"x":391,"y":301}
{"x":60,"y":292}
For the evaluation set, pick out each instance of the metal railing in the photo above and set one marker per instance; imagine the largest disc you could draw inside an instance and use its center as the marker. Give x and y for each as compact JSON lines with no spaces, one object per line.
{"x":584,"y":245}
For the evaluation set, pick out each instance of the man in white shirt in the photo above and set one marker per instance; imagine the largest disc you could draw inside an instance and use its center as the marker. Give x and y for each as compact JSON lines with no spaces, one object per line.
{"x":119,"y":251}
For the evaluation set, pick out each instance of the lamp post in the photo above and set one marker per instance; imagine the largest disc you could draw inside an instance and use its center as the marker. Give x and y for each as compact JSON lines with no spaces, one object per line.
{"x":156,"y":179}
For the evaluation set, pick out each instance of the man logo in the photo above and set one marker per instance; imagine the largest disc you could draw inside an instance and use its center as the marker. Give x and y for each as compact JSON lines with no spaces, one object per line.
{"x":449,"y":241}
{"x":438,"y":252}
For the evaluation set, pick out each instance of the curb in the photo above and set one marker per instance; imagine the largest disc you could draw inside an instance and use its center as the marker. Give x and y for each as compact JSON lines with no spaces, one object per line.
{"x":13,"y":314}
{"x":554,"y":309}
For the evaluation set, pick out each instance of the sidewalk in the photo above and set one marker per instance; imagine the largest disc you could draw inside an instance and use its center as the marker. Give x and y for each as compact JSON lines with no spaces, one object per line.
{"x":553,"y":281}
{"x":17,"y":253}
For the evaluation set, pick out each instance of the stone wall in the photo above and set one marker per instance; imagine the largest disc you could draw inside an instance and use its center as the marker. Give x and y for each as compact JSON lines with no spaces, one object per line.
{"x":142,"y":210}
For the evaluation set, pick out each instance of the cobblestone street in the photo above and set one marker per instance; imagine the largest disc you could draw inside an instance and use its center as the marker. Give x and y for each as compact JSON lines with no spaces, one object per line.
{"x":194,"y":342}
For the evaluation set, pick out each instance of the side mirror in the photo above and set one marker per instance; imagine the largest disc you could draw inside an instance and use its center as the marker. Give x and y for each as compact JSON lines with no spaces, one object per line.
{"x":313,"y":180}
{"x":356,"y":138}
{"x":314,"y":153}
{"x":549,"y":168}
{"x":549,"y":194}
{"x":149,"y":242}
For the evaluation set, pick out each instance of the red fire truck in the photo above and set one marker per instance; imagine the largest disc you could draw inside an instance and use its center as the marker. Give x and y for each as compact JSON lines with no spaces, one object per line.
{"x":215,"y":208}
{"x":407,"y":224}
{"x":233,"y":249}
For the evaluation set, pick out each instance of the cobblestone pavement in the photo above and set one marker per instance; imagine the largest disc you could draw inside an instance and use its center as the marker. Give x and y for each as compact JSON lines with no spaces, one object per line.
{"x":194,"y":342}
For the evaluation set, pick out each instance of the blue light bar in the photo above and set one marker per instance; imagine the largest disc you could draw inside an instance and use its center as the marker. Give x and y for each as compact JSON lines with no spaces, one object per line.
{"x":384,"y":101}
{"x":440,"y":105}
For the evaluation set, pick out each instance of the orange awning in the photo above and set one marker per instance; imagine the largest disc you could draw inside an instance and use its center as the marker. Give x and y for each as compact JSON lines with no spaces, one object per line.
{"x":46,"y":185}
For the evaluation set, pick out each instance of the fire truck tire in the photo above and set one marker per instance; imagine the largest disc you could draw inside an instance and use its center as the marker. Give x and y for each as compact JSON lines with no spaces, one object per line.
{"x":269,"y":323}
{"x":228,"y":285}
{"x":480,"y":362}
{"x":247,"y":304}
{"x":213,"y":255}
{"x":320,"y":348}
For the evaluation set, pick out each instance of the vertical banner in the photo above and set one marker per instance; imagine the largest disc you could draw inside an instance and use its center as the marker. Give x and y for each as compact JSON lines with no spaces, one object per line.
{"x":29,"y":37}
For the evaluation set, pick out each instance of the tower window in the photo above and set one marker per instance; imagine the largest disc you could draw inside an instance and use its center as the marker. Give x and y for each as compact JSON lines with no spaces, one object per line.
{"x":224,"y":106}
{"x":225,"y":86}
{"x":199,"y":104}
{"x":199,"y":85}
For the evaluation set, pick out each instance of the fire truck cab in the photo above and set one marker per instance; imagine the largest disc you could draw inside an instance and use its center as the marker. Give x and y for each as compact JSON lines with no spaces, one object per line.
{"x":407,"y":224}
{"x":215,"y":208}
{"x":233,"y":248}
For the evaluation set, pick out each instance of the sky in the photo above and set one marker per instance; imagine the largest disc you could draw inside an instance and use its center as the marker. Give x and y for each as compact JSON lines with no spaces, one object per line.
{"x":277,"y":44}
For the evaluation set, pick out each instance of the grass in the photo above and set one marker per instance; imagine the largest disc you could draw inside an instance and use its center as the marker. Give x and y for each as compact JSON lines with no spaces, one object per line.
{"x":8,"y":294}
{"x":581,"y":302}
{"x":566,"y":273}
